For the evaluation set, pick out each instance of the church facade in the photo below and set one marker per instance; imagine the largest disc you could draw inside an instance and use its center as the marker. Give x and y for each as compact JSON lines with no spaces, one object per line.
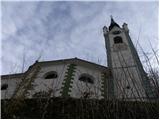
{"x":67,"y":78}
{"x":123,"y":79}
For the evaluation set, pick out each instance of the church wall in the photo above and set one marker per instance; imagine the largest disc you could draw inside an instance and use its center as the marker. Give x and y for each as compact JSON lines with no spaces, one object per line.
{"x":128,"y":84}
{"x":55,"y":84}
{"x":125,"y":70}
{"x":39,"y":84}
{"x":12,"y":85}
{"x":79,"y":87}
{"x":36,"y":82}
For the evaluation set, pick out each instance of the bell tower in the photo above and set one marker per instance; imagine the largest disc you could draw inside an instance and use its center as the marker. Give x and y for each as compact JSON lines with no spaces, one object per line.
{"x":129,"y":80}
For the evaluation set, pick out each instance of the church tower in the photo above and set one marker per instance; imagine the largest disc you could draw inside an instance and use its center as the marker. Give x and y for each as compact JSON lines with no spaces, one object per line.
{"x":129,"y":80}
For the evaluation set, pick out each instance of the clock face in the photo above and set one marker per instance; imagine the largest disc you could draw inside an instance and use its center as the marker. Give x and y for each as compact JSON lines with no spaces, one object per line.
{"x":116,"y":32}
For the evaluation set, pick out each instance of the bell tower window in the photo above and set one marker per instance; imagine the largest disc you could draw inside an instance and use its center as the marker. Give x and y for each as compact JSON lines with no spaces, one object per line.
{"x":116,"y":32}
{"x":4,"y":87}
{"x":118,"y":40}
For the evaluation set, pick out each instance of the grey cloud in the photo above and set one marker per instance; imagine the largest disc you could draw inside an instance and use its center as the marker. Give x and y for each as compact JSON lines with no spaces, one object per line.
{"x":68,"y":29}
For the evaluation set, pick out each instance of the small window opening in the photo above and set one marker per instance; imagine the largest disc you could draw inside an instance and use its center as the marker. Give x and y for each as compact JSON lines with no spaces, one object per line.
{"x":116,"y":32}
{"x":51,"y":75}
{"x":128,"y":87}
{"x":118,"y":40}
{"x":4,"y":86}
{"x":86,"y":78}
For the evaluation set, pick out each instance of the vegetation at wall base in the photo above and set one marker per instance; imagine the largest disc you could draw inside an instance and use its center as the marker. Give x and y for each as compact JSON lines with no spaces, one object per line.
{"x":70,"y":108}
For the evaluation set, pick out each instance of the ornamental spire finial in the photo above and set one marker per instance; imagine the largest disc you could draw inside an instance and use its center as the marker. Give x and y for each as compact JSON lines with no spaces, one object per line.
{"x":112,"y":20}
{"x":111,"y":16}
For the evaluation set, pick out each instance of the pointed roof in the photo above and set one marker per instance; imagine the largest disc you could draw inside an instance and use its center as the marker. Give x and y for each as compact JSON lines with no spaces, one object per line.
{"x":71,"y":60}
{"x":113,"y":23}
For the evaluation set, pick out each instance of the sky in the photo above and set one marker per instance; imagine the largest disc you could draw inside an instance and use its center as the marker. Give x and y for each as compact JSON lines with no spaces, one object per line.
{"x":50,"y":30}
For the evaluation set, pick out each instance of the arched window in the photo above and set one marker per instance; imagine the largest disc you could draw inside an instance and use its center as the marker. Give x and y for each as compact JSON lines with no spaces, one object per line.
{"x":51,"y":75}
{"x":41,"y":94}
{"x":118,"y":40}
{"x":86,"y":78}
{"x":4,"y":86}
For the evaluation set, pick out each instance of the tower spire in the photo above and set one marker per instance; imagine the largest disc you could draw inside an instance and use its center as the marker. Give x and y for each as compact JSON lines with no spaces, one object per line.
{"x":112,"y":20}
{"x":113,"y":23}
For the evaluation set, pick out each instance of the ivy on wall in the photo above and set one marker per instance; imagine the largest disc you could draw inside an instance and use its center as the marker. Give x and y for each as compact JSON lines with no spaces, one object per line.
{"x":69,"y":76}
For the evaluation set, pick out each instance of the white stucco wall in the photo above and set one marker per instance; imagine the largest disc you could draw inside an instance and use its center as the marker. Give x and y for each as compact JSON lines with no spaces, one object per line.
{"x":79,"y":87}
{"x":12,"y":85}
{"x":40,"y":84}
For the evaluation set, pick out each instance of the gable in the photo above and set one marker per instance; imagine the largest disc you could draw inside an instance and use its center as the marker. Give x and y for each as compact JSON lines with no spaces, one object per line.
{"x":56,"y":63}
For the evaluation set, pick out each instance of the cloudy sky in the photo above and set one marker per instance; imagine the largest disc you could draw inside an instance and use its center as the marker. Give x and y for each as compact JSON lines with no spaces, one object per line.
{"x":60,"y":30}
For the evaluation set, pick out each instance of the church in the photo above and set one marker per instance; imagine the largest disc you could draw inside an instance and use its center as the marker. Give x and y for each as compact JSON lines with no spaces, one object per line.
{"x":123,"y":79}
